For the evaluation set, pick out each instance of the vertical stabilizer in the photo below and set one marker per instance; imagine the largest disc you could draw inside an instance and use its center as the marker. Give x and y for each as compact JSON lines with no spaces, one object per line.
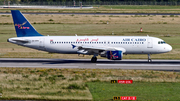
{"x":22,"y":25}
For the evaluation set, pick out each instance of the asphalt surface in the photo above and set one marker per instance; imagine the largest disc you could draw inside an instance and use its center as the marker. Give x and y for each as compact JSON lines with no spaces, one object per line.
{"x":138,"y":64}
{"x":48,"y":7}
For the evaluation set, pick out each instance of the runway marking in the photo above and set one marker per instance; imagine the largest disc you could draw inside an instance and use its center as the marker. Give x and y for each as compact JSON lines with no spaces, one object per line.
{"x":134,"y":65}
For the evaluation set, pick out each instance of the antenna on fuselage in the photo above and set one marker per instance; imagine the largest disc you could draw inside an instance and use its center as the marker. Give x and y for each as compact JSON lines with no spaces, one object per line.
{"x":75,"y":34}
{"x":147,"y":35}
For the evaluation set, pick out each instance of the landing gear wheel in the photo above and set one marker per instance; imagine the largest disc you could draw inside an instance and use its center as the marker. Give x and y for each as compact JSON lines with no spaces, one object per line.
{"x":93,"y":59}
{"x":149,"y":60}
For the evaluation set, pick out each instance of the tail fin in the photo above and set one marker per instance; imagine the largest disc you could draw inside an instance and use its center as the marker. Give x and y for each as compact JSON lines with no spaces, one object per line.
{"x":22,"y":25}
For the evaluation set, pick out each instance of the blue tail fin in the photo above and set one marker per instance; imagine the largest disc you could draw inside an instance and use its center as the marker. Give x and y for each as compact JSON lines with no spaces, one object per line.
{"x":22,"y":25}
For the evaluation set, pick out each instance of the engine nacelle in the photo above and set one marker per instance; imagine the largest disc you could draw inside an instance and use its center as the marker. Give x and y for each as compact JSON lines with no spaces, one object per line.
{"x":114,"y":55}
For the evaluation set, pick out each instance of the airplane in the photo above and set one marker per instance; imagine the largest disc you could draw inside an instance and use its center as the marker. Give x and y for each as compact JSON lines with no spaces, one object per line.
{"x":110,"y":47}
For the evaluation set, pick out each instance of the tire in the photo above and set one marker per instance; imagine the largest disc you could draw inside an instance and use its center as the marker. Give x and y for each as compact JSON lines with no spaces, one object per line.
{"x":93,"y":59}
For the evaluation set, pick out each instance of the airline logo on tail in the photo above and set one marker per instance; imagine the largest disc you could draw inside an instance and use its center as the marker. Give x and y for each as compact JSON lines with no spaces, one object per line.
{"x":21,"y":26}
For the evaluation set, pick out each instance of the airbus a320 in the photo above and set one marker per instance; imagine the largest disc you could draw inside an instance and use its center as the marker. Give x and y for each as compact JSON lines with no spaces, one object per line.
{"x":110,"y":47}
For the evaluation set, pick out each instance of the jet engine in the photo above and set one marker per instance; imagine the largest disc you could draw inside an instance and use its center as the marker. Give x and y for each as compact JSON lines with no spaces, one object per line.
{"x":113,"y":55}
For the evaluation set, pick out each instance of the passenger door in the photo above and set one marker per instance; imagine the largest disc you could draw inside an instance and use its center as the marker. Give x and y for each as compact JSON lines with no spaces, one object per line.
{"x":149,"y":43}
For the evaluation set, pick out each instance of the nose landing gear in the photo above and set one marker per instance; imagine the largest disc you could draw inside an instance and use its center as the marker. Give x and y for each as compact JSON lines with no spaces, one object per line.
{"x":149,"y":58}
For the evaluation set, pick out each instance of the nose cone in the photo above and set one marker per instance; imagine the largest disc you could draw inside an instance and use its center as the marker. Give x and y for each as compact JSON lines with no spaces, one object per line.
{"x":169,"y":48}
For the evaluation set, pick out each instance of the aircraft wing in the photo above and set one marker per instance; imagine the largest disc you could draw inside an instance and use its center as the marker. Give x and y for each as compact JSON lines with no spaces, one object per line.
{"x":102,"y":48}
{"x":93,"y":49}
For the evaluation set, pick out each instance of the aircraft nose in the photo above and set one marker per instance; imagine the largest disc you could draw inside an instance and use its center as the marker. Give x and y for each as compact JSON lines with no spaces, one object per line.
{"x":169,"y":48}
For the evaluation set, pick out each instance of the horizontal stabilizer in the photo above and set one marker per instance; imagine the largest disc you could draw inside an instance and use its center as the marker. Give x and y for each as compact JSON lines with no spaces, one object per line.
{"x":19,"y":40}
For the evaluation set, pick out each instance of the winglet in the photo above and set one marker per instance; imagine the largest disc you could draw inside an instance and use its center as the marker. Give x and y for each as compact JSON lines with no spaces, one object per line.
{"x":22,"y":25}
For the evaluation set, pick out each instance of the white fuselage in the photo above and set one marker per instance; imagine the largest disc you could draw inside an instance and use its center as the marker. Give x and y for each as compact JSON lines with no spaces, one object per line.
{"x":64,"y":44}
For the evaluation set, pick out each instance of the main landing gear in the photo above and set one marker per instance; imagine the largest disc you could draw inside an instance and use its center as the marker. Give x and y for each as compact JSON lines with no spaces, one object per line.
{"x":149,"y":58}
{"x":94,"y":59}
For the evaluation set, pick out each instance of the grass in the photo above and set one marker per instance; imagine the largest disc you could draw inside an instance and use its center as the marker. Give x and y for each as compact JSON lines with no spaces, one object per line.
{"x":129,"y":7}
{"x":79,"y":84}
{"x":42,"y":84}
{"x":50,"y":20}
{"x":142,"y":90}
{"x":107,"y":9}
{"x":94,"y":19}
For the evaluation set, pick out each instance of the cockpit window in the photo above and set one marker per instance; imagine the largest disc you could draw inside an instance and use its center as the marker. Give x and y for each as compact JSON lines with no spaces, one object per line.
{"x":161,"y":42}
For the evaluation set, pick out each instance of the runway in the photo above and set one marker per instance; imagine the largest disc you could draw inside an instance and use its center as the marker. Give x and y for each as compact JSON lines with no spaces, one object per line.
{"x":138,"y":64}
{"x":48,"y":7}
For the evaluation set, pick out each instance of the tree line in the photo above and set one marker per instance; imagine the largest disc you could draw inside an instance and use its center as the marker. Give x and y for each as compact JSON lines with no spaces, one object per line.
{"x":91,"y":0}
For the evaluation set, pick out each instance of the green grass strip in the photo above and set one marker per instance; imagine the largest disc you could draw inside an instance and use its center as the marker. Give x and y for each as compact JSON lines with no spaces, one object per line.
{"x":142,"y":90}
